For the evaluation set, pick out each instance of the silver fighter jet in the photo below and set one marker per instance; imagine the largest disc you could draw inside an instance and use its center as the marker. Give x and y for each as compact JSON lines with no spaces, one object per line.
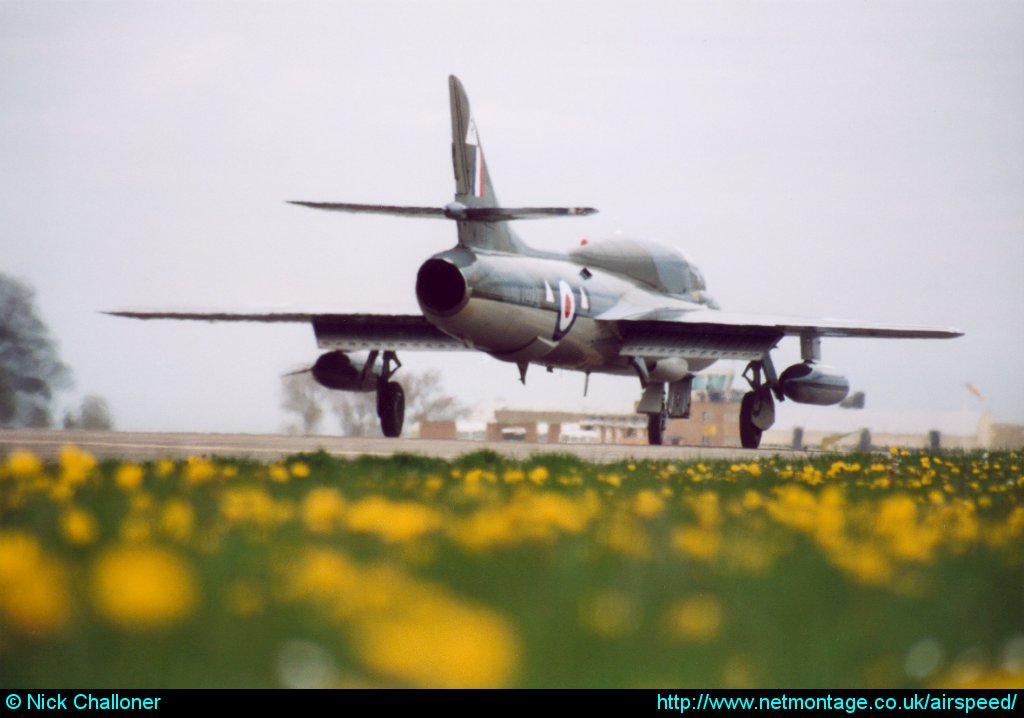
{"x":618,"y":306}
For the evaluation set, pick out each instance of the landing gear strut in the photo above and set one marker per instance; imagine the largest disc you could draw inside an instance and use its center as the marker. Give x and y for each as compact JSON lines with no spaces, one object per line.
{"x":757,"y":409}
{"x":656,"y":423}
{"x":390,"y":398}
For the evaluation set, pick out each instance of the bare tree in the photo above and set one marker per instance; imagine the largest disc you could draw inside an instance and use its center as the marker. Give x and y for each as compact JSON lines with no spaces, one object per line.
{"x":93,"y":415}
{"x":30,"y":369}
{"x":356,"y":412}
{"x":304,"y":397}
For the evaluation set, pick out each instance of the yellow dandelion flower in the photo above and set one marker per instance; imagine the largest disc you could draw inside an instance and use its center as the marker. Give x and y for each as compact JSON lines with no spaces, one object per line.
{"x":177,"y":519}
{"x":322,"y":510}
{"x":199,"y":470}
{"x":300,"y":470}
{"x":696,"y":618}
{"x":433,"y":484}
{"x":326,"y":577}
{"x":141,"y":588}
{"x":705,"y":506}
{"x":864,"y":563}
{"x":393,"y":521}
{"x":647,"y":504}
{"x":699,"y":543}
{"x":440,"y":643}
{"x":75,"y":464}
{"x":250,"y":506}
{"x":164,"y":468}
{"x":752,"y":500}
{"x":34,"y":597}
{"x":609,"y":615}
{"x":538,"y":475}
{"x":78,"y":527}
{"x":278,"y":474}
{"x":22,"y":464}
{"x":610,"y":479}
{"x":129,"y":477}
{"x":513,"y":476}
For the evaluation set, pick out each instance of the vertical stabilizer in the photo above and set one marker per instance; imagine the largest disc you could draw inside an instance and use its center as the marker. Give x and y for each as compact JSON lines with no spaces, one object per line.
{"x":473,"y":187}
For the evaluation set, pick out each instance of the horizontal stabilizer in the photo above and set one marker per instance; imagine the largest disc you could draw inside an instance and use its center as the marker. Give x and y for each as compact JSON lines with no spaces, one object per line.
{"x":375,"y":209}
{"x":455,"y":210}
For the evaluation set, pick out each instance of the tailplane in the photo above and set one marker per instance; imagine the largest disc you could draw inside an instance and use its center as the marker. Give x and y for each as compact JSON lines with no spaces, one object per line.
{"x":482,"y":222}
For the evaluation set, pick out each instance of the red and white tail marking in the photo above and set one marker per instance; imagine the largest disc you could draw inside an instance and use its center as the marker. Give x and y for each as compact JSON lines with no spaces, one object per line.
{"x":478,"y":159}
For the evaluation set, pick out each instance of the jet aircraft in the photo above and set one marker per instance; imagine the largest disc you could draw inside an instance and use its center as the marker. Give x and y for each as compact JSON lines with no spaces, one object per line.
{"x":616,"y":306}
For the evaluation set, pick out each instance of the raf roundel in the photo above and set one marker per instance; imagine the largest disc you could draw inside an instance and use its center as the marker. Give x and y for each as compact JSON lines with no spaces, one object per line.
{"x":567,"y":310}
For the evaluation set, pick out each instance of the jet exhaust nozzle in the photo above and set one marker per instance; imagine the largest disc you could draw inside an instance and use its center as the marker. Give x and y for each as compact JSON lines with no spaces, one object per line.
{"x":441,"y":287}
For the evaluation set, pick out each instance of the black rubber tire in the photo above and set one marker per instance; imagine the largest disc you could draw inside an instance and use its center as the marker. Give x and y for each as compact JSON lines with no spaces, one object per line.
{"x":391,"y":409}
{"x":656,"y":428}
{"x":750,"y":435}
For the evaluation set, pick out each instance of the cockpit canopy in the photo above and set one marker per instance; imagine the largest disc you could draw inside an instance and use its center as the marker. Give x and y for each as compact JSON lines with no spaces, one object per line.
{"x":661,"y":266}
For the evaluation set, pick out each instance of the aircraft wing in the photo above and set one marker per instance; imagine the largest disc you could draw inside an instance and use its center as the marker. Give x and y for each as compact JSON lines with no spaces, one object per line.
{"x":346,"y":332}
{"x":733,"y":335}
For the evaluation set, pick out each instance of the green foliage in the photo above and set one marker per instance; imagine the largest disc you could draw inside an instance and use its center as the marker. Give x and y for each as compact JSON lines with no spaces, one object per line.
{"x":837,"y":571}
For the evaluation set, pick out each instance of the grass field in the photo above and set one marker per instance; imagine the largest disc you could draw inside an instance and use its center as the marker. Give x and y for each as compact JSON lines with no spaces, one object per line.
{"x":901,"y":569}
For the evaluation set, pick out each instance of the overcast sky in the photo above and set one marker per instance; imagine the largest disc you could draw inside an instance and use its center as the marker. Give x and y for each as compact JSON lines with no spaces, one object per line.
{"x":849,"y":159}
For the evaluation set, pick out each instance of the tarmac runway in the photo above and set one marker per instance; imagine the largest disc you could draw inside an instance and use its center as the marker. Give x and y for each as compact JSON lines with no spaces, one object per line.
{"x":138,"y":446}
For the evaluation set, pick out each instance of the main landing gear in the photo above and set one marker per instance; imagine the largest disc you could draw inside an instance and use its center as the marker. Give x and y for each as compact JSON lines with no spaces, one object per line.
{"x":390,"y":397}
{"x":656,"y":423}
{"x":757,"y":408}
{"x":660,"y":407}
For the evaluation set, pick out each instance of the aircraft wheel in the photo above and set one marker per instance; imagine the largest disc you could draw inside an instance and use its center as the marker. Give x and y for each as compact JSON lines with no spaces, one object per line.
{"x":750,"y":435}
{"x":656,"y":428}
{"x":391,"y":408}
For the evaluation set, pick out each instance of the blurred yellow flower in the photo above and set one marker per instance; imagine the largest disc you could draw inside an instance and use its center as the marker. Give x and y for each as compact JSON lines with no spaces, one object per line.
{"x":78,"y":526}
{"x":393,"y":521}
{"x":696,"y":618}
{"x":21,"y":464}
{"x":322,"y":509}
{"x":253,"y":507}
{"x":129,"y":476}
{"x":199,"y":470}
{"x":438,"y":642}
{"x":75,"y":464}
{"x":697,"y":542}
{"x":177,"y":519}
{"x":299,"y":469}
{"x":34,"y":597}
{"x":538,"y":475}
{"x":164,"y":468}
{"x":610,"y":614}
{"x":141,"y":588}
{"x":647,"y":504}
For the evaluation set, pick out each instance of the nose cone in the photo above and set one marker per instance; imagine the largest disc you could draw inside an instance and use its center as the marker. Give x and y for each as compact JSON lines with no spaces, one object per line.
{"x":441,"y":288}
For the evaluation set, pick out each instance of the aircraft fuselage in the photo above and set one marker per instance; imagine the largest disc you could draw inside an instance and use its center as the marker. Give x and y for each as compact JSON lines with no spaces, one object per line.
{"x":542,"y":309}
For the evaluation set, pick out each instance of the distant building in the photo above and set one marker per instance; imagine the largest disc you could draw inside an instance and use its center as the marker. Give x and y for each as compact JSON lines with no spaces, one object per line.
{"x":714,"y":422}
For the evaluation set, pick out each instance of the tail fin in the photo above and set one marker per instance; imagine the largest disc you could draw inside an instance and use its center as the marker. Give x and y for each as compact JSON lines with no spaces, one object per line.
{"x":481,"y":221}
{"x":473,"y":186}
